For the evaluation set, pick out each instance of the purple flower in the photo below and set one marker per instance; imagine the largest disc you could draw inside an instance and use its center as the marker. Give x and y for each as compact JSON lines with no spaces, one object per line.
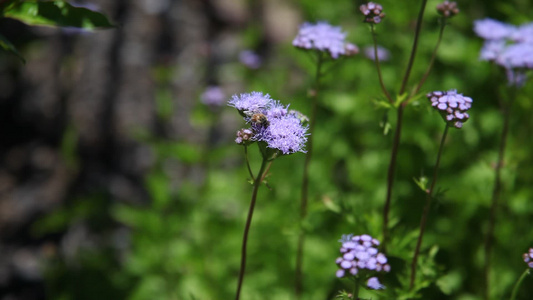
{"x":524,"y":34}
{"x":250,"y":59}
{"x":452,"y":106}
{"x":323,"y":37}
{"x":360,"y":253}
{"x":374,"y":284}
{"x":383,"y":53}
{"x":213,"y":96}
{"x":271,"y":123}
{"x":490,"y":29}
{"x":492,"y":49}
{"x":528,"y":258}
{"x":516,"y":56}
{"x":285,"y":133}
{"x":250,"y":103}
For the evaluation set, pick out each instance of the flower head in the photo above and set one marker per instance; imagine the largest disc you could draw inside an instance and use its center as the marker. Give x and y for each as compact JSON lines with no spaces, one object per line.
{"x":528,"y":258}
{"x":490,"y":29}
{"x":373,"y":12}
{"x":516,"y":56}
{"x":492,"y":49}
{"x":360,"y":254}
{"x":452,"y":106}
{"x":323,"y":37}
{"x":448,"y":9}
{"x":213,"y":96}
{"x":270,"y":123}
{"x":250,"y":103}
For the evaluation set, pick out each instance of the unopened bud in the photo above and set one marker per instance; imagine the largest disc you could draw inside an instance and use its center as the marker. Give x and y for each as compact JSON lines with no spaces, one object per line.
{"x":448,"y":9}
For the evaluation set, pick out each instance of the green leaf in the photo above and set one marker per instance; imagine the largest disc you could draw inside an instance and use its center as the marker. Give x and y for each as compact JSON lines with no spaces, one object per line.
{"x":422,"y":183}
{"x":56,"y":13}
{"x":6,"y":45}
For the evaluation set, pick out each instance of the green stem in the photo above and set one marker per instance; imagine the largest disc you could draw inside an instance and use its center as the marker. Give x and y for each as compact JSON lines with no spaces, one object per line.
{"x":390,"y":174}
{"x":433,"y":56}
{"x":298,"y":283}
{"x":355,"y":294}
{"x":248,"y":162}
{"x":378,"y":68}
{"x":257,"y":182}
{"x":413,"y":49}
{"x":518,"y":283}
{"x":398,"y":131}
{"x":425,"y":213}
{"x":496,"y":191}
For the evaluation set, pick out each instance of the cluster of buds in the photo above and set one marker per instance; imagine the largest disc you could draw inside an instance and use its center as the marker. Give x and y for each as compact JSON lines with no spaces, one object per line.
{"x":452,"y":106}
{"x":528,"y":258}
{"x":373,"y":12}
{"x":244,"y":136}
{"x":448,"y":9}
{"x":360,"y":253}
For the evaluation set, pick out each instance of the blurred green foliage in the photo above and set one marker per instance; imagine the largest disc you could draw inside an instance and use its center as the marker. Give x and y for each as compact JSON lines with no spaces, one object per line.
{"x":185,"y":243}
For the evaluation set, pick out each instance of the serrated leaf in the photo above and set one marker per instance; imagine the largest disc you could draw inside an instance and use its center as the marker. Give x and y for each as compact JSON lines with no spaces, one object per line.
{"x":6,"y":45}
{"x":57,"y":14}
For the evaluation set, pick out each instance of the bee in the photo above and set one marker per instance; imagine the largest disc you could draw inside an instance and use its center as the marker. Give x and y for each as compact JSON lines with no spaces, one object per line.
{"x":259,"y":119}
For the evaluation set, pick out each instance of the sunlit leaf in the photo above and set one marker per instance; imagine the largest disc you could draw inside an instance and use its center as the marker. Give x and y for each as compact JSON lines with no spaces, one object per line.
{"x":56,"y":13}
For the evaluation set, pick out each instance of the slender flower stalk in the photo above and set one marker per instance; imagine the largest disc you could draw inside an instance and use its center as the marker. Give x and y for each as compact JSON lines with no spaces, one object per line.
{"x":425,"y":213}
{"x":397,"y":133}
{"x":277,"y":131}
{"x":453,"y":108}
{"x":496,"y":191}
{"x":518,"y":283}
{"x":257,"y":182}
{"x":378,"y":68}
{"x":305,"y":181}
{"x":355,"y":294}
{"x":433,"y":56}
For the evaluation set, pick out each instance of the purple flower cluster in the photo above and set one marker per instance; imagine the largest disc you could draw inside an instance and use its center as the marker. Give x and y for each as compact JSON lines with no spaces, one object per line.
{"x":324,"y":37}
{"x":373,"y":12}
{"x":360,"y":253}
{"x":528,"y":258}
{"x":270,"y":122}
{"x":213,"y":96}
{"x":508,"y":46}
{"x":452,"y":106}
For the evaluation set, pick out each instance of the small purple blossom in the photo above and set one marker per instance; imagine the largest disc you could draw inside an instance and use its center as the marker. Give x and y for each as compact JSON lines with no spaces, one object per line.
{"x":490,"y":29}
{"x":373,"y":12}
{"x":374,"y":284}
{"x":516,"y":56}
{"x":250,"y":59}
{"x":492,"y":49}
{"x":528,"y":258}
{"x":250,"y":103}
{"x":452,"y":106}
{"x":323,"y":37}
{"x":523,"y":34}
{"x":213,"y":96}
{"x":360,"y":253}
{"x":383,"y":53}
